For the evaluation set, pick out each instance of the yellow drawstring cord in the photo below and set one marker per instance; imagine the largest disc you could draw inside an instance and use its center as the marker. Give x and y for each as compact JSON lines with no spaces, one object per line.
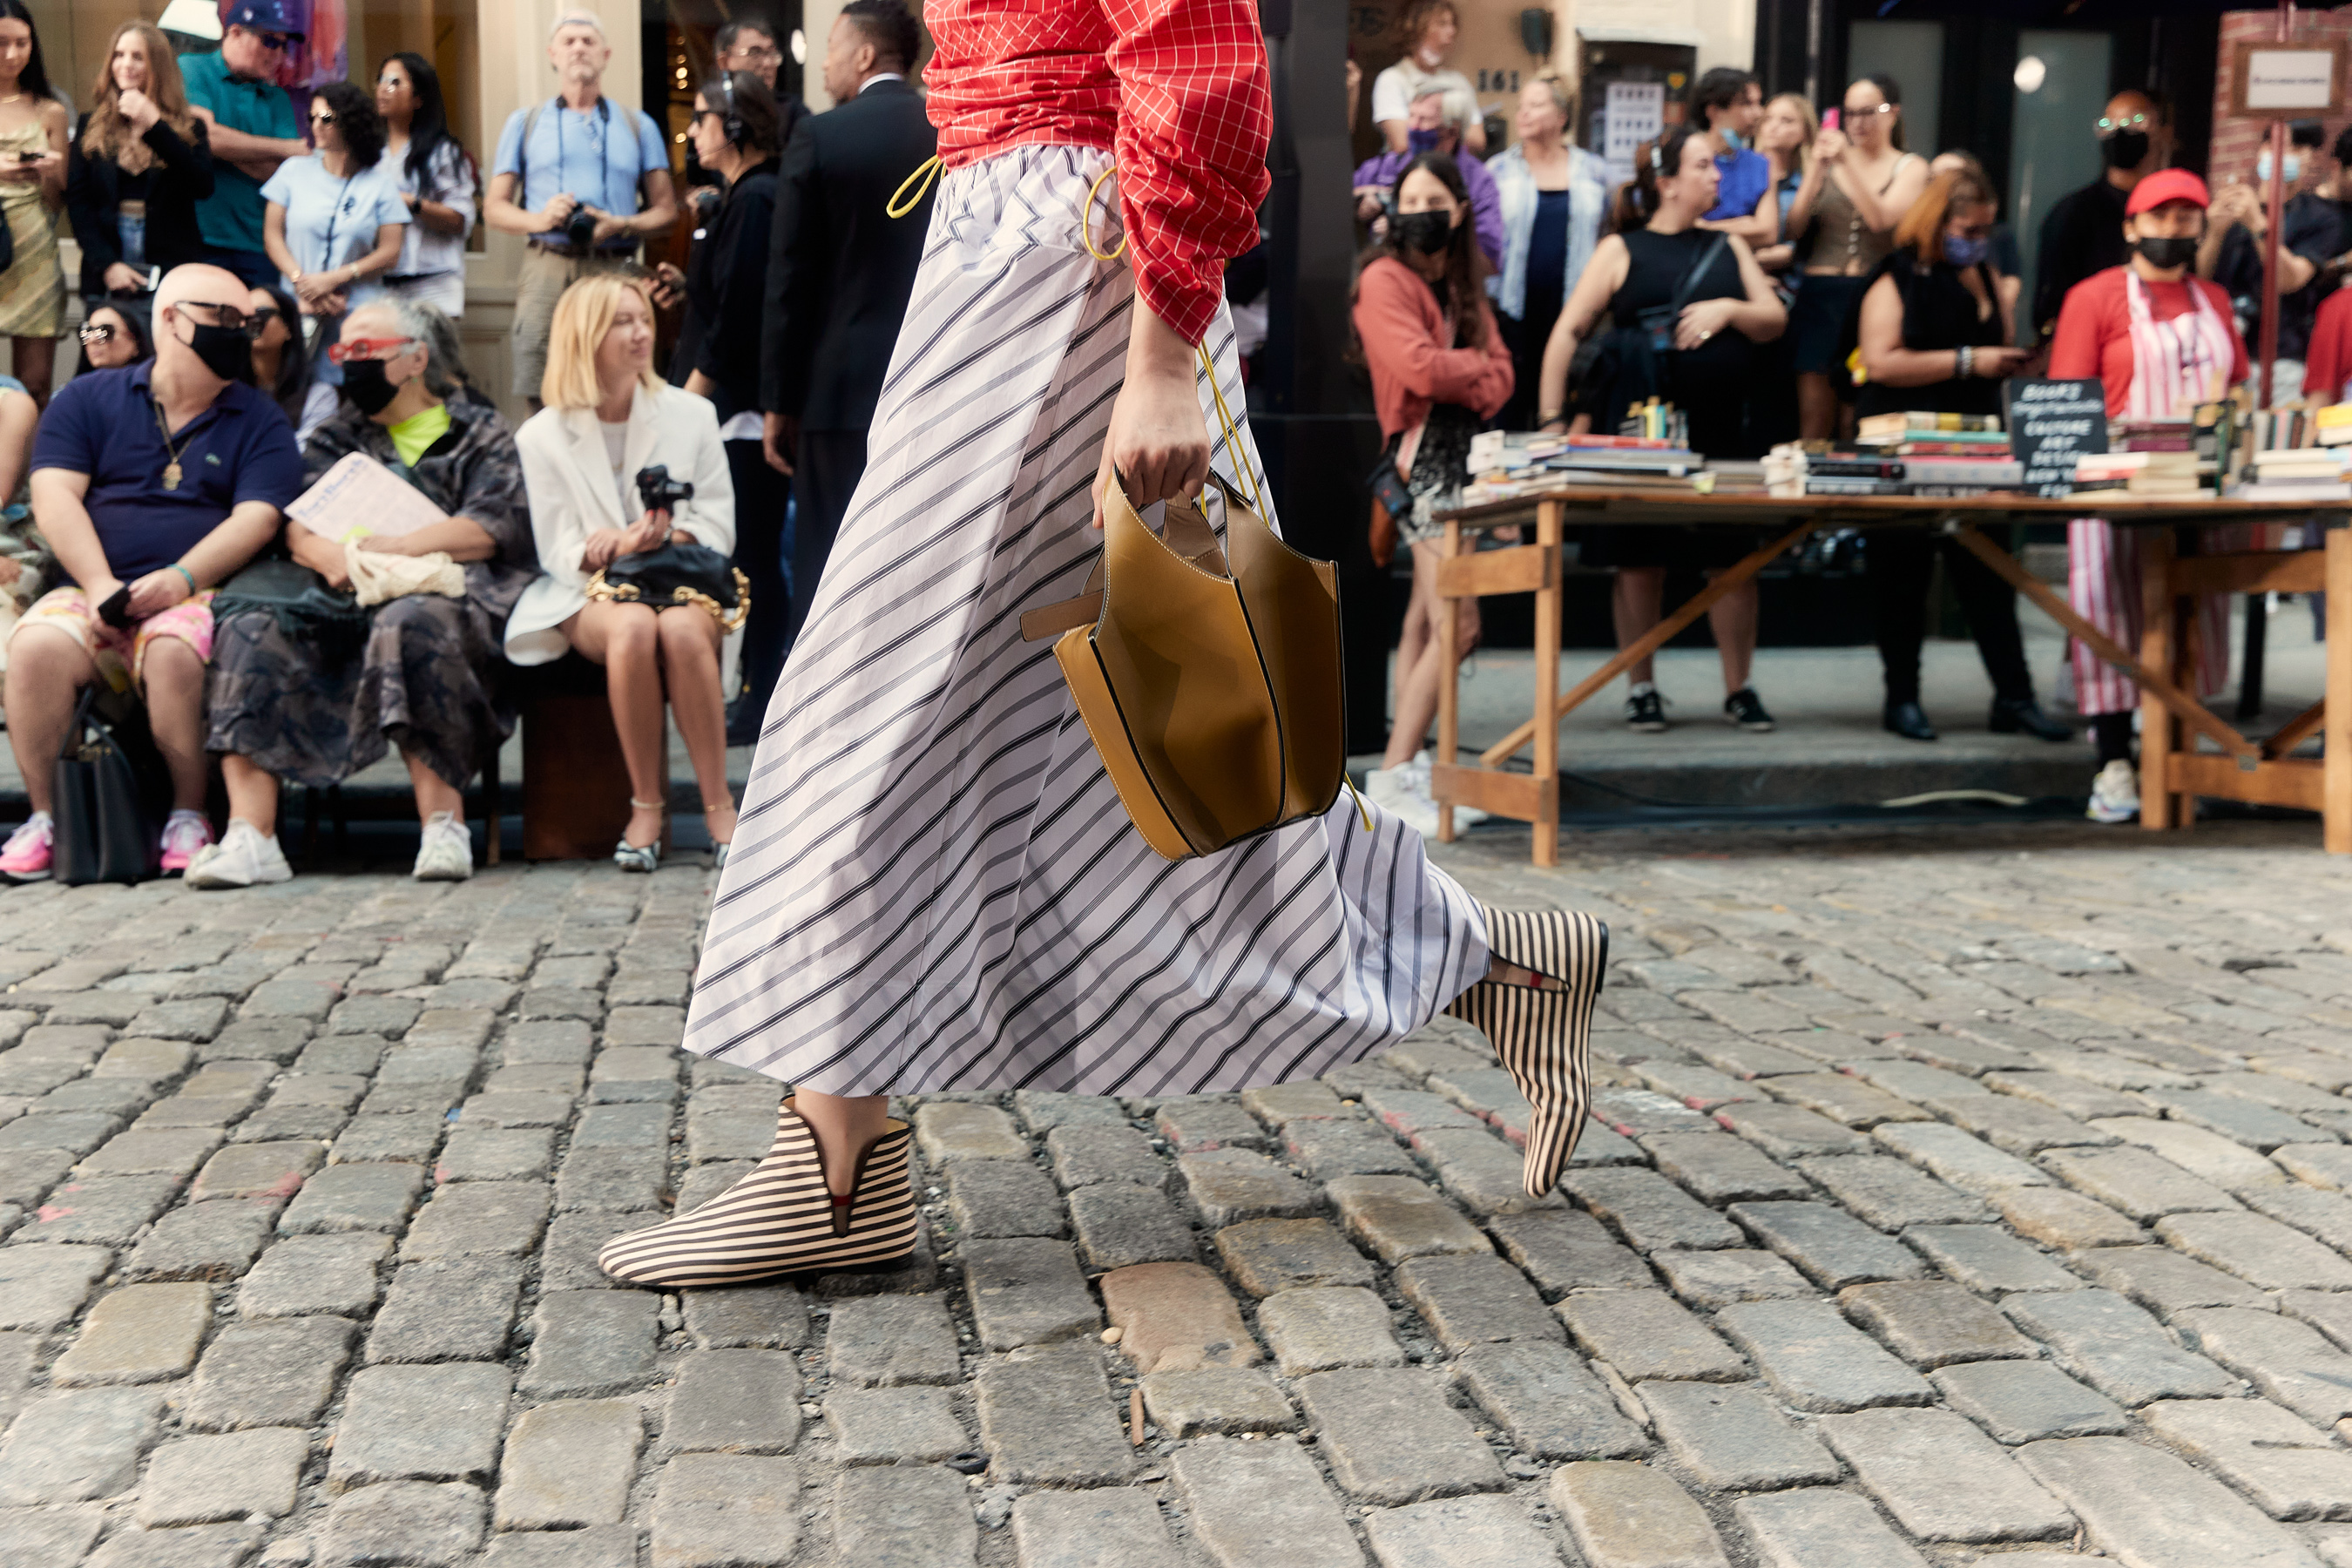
{"x":1086,"y":220}
{"x":1363,"y":810}
{"x":900,"y":203}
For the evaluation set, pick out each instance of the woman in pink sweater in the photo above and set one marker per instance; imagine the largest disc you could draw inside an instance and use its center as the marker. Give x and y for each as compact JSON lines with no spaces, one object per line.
{"x":1440,"y":371}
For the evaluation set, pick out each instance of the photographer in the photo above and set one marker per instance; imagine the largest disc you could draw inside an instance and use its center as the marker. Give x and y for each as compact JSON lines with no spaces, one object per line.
{"x":587,"y":181}
{"x":607,"y":420}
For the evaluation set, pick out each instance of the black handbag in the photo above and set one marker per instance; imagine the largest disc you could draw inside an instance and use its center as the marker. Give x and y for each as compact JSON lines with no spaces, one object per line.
{"x":331,"y":619}
{"x":112,"y":792}
{"x":678,"y":574}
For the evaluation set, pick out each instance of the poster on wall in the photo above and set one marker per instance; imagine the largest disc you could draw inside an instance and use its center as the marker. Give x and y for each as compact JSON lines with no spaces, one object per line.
{"x":1636,"y":112}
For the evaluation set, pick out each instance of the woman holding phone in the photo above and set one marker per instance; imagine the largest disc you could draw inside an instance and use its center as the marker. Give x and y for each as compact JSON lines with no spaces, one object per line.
{"x":1869,"y":182}
{"x":32,"y":189}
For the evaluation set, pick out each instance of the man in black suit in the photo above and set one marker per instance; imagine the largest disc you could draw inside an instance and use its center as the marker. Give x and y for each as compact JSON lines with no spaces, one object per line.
{"x":841,"y":270}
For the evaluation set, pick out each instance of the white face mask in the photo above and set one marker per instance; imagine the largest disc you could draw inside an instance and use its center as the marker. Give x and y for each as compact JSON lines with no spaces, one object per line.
{"x":2294,"y":167}
{"x":1432,"y":57}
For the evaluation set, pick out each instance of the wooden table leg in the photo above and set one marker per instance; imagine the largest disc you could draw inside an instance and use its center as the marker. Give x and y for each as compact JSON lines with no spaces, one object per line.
{"x":2335,"y":780}
{"x":1656,"y":637}
{"x":2157,"y":649}
{"x":1449,"y":680}
{"x":2184,"y":705}
{"x":1548,"y":612}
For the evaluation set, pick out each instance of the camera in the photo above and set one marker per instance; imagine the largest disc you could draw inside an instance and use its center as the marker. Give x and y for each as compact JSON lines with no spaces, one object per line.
{"x":659,"y":492}
{"x":580,"y":228}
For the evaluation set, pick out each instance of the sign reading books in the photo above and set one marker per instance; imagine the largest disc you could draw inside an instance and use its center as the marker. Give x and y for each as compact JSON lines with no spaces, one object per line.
{"x":2052,"y":422}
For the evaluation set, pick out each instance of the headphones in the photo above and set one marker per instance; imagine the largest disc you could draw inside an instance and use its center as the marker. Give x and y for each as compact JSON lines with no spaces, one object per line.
{"x":729,"y":120}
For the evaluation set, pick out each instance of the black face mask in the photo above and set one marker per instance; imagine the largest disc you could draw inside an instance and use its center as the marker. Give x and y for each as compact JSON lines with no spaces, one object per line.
{"x":225,"y":352}
{"x":1428,"y":233}
{"x":2125,"y":149}
{"x":365,"y":384}
{"x":2173,"y":251}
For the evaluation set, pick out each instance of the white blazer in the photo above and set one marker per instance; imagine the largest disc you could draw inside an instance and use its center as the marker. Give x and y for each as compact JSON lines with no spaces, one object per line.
{"x":569,"y":476}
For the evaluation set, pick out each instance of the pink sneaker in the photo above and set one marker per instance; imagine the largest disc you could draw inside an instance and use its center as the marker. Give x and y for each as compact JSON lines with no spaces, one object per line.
{"x":186,"y":832}
{"x":26,"y":857}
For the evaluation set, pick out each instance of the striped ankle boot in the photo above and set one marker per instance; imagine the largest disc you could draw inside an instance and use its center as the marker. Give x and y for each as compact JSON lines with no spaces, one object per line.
{"x":781,"y":1219}
{"x":1543,"y":1033}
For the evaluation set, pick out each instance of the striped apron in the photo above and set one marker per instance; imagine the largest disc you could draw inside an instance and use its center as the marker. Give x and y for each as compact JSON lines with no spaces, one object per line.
{"x":2176,"y":365}
{"x":934,"y":886}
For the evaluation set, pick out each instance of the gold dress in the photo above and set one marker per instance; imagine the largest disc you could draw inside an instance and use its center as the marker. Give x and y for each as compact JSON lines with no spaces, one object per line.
{"x":33,"y":290}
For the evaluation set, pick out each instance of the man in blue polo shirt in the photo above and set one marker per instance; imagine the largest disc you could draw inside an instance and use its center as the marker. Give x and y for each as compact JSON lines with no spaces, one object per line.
{"x":250,"y":122}
{"x":575,"y":153}
{"x":1728,"y":104}
{"x":152,"y":484}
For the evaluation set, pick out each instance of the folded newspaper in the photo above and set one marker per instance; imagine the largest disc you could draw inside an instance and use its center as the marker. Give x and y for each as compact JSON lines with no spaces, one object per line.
{"x":359,"y":496}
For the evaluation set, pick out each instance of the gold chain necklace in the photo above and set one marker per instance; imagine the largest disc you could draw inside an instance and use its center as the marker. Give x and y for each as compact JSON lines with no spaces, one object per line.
{"x":172,"y":463}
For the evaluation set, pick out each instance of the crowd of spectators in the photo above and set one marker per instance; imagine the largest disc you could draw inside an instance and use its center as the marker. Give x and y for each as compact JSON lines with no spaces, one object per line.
{"x":266,"y":296}
{"x":1772,"y":274}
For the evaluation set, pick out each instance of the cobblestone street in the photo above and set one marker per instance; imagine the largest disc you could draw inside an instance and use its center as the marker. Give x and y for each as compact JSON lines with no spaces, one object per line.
{"x":1969,"y":1196}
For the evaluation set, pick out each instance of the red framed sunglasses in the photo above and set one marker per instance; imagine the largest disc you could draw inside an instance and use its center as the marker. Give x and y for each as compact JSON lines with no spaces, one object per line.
{"x":366,"y":348}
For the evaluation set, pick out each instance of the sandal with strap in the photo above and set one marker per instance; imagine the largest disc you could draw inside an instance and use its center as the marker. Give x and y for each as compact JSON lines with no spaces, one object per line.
{"x":640,"y":858}
{"x":783,"y":1218}
{"x":1543,"y":1032}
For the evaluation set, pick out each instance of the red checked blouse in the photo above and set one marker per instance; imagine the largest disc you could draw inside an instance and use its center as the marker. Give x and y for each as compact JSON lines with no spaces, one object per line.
{"x":1176,"y":90}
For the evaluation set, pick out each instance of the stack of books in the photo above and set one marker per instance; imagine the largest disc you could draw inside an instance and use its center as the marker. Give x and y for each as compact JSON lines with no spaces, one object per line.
{"x":1863,"y":473}
{"x":2333,"y":424}
{"x":2173,"y":473}
{"x":2304,"y":473}
{"x":1932,"y":436}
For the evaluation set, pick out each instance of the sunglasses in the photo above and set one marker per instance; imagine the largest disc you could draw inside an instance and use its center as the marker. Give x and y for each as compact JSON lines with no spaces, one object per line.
{"x":322,"y":117}
{"x":2106,"y":127}
{"x":366,"y":348}
{"x":102,"y":332}
{"x":768,"y":53}
{"x":235,"y":318}
{"x":275,"y":40}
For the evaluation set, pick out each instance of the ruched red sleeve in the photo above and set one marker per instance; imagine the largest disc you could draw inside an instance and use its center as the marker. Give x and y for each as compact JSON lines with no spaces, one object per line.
{"x":1194,"y":118}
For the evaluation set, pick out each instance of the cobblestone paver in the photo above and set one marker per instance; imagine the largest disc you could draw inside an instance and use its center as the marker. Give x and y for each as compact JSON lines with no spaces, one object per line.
{"x":1980,"y":1199}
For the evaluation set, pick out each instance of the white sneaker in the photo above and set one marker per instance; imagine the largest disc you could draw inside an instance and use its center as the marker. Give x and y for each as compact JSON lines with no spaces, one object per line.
{"x":243,"y":858}
{"x":2114,"y":794}
{"x":1392,"y":789}
{"x":448,"y":853}
{"x":1463,"y":816}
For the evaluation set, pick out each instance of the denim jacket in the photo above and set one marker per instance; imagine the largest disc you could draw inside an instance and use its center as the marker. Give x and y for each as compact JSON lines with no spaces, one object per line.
{"x":1588,"y":203}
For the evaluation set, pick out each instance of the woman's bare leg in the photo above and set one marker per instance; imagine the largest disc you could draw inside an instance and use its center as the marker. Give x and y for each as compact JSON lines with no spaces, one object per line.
{"x":36,"y":361}
{"x":1414,"y":639}
{"x":689,"y":653}
{"x":433,"y":793}
{"x":845,"y":1126}
{"x":1817,"y":407}
{"x":1636,"y":602}
{"x":627,"y":641}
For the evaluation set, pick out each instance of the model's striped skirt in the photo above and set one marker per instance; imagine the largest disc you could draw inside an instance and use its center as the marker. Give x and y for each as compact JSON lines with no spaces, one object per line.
{"x":933,"y":885}
{"x":2102,"y":566}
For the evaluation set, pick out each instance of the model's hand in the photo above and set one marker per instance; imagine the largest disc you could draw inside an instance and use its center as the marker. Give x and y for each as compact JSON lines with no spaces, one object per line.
{"x":557,"y":211}
{"x":610,"y":228}
{"x":121,"y":279}
{"x":1999,"y":364}
{"x":1830,"y":146}
{"x":313,"y":287}
{"x":1158,"y":444}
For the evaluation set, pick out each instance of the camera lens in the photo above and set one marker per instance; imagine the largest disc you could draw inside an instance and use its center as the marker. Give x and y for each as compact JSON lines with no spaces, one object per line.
{"x":580,"y":228}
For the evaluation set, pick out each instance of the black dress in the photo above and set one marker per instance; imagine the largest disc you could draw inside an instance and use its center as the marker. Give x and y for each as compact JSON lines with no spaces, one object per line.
{"x":1938,"y":312}
{"x":1708,"y":383}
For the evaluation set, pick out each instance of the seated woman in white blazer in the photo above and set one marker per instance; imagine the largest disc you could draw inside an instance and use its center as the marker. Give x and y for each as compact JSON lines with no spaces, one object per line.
{"x":608,"y":415}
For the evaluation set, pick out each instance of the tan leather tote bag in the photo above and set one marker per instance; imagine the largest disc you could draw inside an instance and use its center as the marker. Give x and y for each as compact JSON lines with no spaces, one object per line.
{"x":1208,"y":677}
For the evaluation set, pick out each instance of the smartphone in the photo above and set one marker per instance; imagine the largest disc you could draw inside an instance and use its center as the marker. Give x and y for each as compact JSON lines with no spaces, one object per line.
{"x":29,"y":157}
{"x":1829,"y":119}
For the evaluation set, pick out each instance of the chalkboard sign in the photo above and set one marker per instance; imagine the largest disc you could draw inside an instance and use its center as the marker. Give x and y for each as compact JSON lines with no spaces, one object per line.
{"x":2052,"y":422}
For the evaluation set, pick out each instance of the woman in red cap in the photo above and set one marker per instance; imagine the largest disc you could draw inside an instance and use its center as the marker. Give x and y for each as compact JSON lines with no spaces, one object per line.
{"x":2162,"y":341}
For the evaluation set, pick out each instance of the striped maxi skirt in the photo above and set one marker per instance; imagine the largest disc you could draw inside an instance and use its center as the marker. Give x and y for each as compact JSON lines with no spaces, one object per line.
{"x":933,"y":885}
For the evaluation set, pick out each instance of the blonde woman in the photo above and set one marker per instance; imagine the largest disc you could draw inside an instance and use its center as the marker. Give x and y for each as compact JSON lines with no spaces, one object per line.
{"x":607,"y":417}
{"x":1785,"y":137}
{"x":143,"y":162}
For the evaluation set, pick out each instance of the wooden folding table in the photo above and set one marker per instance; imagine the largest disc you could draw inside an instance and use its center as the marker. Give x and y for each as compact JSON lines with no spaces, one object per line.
{"x":2173,"y":769}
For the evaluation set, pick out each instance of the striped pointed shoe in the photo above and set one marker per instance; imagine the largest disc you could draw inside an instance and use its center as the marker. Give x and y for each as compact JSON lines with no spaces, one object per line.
{"x":1543,"y":1035}
{"x":781,"y":1219}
